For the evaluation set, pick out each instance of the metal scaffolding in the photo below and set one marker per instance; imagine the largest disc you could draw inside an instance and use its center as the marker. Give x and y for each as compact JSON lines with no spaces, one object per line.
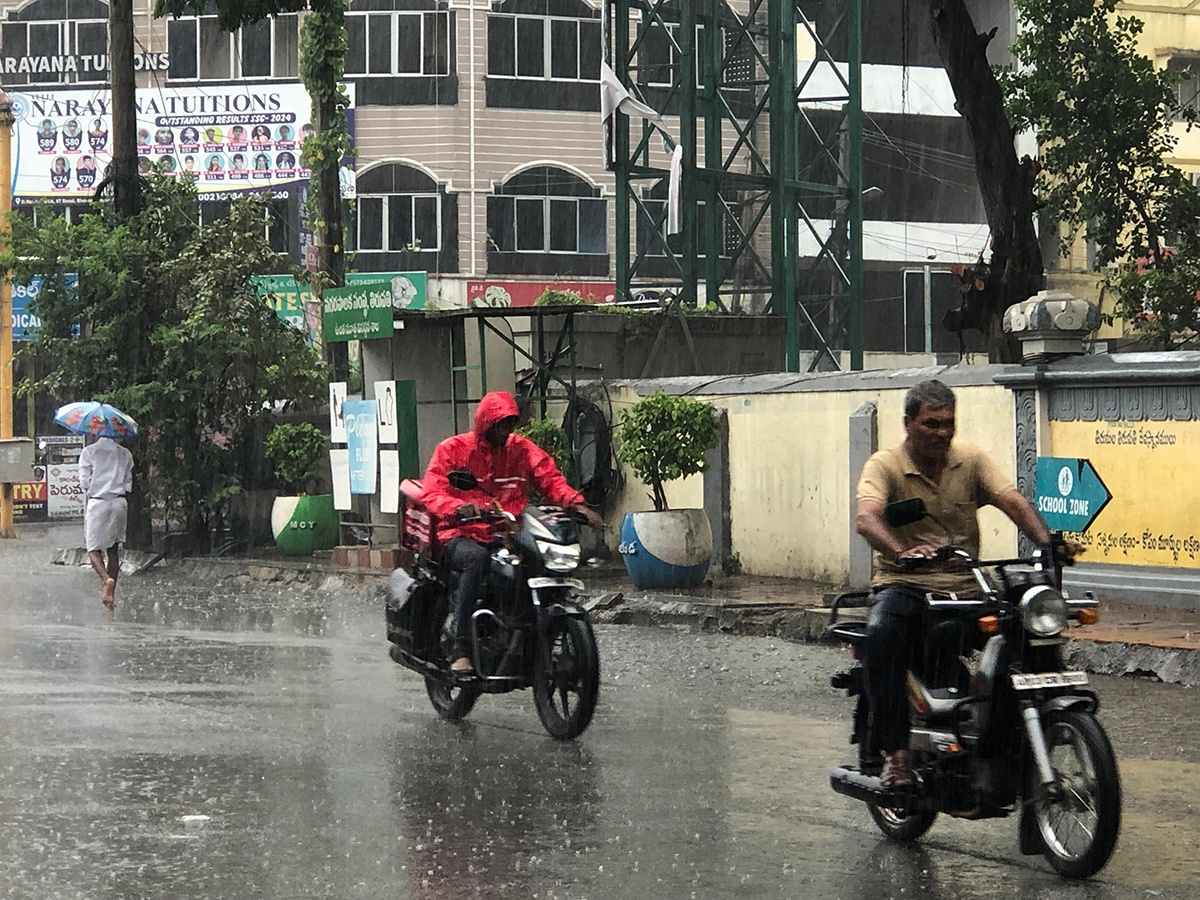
{"x":771,"y":161}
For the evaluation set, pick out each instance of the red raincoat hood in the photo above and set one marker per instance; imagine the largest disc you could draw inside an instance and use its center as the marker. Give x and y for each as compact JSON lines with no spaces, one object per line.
{"x":492,"y":408}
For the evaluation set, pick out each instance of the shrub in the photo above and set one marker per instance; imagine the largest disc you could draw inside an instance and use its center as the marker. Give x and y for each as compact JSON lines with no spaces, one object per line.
{"x":551,"y":437}
{"x":665,"y":438}
{"x":295,"y":453}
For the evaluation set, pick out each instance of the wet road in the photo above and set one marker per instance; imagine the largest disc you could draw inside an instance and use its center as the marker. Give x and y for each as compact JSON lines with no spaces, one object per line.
{"x":249,"y":741}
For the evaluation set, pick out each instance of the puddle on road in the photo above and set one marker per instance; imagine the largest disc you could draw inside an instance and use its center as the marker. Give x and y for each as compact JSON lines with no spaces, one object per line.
{"x":1160,"y":829}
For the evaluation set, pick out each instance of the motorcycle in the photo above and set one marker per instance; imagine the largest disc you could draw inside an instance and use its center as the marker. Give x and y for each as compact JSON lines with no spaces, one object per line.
{"x":1013,"y":732}
{"x":529,"y":630}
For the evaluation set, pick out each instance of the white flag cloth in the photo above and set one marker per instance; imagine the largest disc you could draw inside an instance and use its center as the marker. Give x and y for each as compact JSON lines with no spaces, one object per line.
{"x":675,"y":193}
{"x":614,"y":97}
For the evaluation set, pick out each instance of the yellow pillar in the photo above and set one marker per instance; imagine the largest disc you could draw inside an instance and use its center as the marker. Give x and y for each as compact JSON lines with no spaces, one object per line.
{"x":6,"y":336}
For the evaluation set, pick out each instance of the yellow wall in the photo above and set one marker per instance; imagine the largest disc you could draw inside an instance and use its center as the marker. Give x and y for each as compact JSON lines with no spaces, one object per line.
{"x":789,"y":473}
{"x":1137,"y":527}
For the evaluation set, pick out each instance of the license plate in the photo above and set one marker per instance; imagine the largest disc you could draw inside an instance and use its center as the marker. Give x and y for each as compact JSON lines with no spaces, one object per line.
{"x":1048,"y":680}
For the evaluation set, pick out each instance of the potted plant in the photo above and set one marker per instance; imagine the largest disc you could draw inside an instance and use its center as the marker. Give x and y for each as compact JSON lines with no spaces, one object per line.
{"x":664,"y":438}
{"x":301,"y":522}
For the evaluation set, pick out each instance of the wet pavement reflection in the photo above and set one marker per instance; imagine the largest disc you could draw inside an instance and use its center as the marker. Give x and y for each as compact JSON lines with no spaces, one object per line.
{"x":249,"y":740}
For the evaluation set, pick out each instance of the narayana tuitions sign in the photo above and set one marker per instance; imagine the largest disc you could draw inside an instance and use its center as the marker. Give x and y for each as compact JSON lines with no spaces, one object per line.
{"x":358,"y":313}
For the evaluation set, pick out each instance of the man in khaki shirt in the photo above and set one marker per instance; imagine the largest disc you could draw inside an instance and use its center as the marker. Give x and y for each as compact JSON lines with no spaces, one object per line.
{"x":954,"y":479}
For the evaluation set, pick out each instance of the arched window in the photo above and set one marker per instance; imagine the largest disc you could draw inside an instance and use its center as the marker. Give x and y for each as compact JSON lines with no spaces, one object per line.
{"x":401,"y":52}
{"x":404,"y":220}
{"x":544,"y":54}
{"x":55,"y":42}
{"x":547,"y":221}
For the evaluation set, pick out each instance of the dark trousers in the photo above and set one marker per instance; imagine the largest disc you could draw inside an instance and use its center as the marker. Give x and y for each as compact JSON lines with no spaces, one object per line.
{"x":891,"y":647}
{"x":467,"y":561}
{"x":899,"y":638}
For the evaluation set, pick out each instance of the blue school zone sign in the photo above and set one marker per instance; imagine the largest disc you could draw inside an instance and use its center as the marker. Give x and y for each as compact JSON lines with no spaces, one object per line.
{"x":1070,"y":493}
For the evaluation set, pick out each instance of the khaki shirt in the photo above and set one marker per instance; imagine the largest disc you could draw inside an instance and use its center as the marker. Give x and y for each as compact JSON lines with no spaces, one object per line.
{"x":970,"y":480}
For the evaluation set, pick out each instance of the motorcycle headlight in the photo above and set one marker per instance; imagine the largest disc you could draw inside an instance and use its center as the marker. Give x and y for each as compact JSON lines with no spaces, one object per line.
{"x":1043,"y":611}
{"x":559,"y":557}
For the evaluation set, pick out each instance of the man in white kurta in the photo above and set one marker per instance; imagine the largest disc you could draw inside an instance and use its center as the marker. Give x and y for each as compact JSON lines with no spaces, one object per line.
{"x":106,"y":476}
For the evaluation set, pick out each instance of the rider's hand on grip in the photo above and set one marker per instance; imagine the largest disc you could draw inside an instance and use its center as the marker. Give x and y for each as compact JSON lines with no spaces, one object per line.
{"x":467,"y":512}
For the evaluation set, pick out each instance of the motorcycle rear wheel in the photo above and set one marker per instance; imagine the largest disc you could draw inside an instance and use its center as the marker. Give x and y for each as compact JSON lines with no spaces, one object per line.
{"x":452,"y":702}
{"x":566,"y":678}
{"x":1078,"y":826}
{"x":899,"y":826}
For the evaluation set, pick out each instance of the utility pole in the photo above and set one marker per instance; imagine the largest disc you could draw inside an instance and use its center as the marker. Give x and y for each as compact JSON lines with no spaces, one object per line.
{"x":6,"y":336}
{"x":124,"y":172}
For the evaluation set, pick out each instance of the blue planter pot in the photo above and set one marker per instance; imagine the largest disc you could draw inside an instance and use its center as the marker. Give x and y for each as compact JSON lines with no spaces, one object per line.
{"x":667,"y":549}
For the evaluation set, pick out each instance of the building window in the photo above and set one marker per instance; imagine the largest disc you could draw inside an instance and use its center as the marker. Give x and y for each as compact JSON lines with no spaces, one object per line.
{"x":544,"y":48}
{"x":200,"y":50}
{"x":556,"y":44}
{"x":55,"y":42}
{"x":398,"y":43}
{"x":275,"y":221}
{"x":404,"y":220}
{"x":547,"y":220}
{"x":1187,"y":91}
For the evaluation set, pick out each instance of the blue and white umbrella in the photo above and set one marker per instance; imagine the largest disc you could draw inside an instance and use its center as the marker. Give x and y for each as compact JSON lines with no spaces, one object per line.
{"x":99,"y":419}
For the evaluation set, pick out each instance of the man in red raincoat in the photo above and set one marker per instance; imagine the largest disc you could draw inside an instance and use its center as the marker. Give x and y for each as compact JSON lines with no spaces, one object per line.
{"x":505,"y":465}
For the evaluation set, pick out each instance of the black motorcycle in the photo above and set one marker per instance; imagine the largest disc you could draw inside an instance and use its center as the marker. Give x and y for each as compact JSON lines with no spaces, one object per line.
{"x":1003,"y":727}
{"x":528,"y":631}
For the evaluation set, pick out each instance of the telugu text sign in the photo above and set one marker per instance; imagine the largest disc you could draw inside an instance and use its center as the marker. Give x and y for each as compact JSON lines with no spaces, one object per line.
{"x":1150,"y":470}
{"x":357,"y":313}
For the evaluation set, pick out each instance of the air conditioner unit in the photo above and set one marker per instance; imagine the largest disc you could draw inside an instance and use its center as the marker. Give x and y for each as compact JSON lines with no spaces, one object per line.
{"x":1195,"y":176}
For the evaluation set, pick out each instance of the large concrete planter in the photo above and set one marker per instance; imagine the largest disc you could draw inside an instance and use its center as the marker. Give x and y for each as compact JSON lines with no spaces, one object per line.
{"x":666,"y":549}
{"x":304,"y":524}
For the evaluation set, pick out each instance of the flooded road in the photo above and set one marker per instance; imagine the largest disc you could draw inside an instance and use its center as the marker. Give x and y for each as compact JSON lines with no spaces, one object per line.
{"x":250,"y":740}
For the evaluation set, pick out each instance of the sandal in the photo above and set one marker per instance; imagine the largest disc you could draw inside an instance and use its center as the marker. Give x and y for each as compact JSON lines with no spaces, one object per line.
{"x":462,"y":670}
{"x":897,"y":773}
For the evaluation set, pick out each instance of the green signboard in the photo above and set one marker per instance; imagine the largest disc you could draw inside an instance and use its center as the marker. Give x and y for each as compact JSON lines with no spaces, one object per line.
{"x":356,"y":313}
{"x":292,"y":300}
{"x":408,"y":288}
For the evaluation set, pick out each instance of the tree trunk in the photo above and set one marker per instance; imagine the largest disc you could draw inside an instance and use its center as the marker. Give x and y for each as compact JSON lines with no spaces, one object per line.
{"x":124,"y":170}
{"x":1007,"y":185}
{"x":329,"y":231}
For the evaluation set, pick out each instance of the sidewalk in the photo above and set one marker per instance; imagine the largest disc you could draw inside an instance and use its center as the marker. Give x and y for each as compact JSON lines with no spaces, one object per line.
{"x":1129,"y":639}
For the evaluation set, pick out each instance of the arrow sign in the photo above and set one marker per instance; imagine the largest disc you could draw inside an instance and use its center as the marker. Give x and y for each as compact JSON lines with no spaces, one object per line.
{"x":1070,"y":493}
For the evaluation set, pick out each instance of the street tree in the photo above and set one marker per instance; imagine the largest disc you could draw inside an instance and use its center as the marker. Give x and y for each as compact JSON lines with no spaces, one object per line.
{"x":1102,"y":114}
{"x":165,"y":324}
{"x":322,"y":67}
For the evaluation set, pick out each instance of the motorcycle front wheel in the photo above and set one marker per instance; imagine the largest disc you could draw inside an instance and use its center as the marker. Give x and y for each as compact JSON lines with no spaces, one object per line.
{"x":452,"y":701}
{"x":1079,"y":818}
{"x":566,"y":677}
{"x":900,"y":826}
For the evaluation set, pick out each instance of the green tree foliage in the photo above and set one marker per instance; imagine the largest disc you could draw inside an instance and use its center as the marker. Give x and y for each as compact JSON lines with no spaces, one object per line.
{"x":664,"y":438}
{"x":172,"y":331}
{"x":551,"y":437}
{"x":1103,"y":114}
{"x":296,"y":453}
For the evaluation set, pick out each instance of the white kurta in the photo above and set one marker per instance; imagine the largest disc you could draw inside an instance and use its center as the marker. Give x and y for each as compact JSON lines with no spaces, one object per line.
{"x":106,"y":476}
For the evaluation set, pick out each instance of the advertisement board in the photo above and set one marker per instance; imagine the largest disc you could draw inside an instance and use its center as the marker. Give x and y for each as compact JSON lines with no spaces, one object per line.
{"x":29,"y":498}
{"x":525,"y":293}
{"x":293,"y":301}
{"x":25,"y":323}
{"x":228,"y":139}
{"x":1149,"y":469}
{"x":409,"y":289}
{"x":59,"y":453}
{"x":362,"y":444}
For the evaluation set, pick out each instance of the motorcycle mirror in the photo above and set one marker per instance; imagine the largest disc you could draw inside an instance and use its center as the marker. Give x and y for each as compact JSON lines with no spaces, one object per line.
{"x":904,"y":512}
{"x":462,"y":480}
